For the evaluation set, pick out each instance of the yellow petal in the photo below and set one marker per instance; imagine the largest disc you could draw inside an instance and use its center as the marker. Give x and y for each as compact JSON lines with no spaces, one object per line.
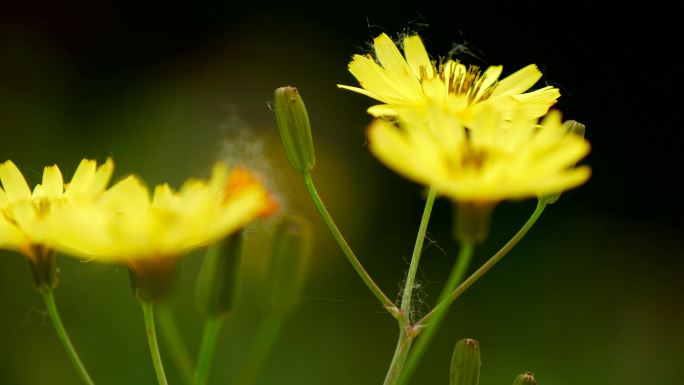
{"x":383,"y":110}
{"x":14,"y":184}
{"x":537,"y":103}
{"x":397,"y":151}
{"x":564,"y":181}
{"x":102,"y":177}
{"x":4,"y":201}
{"x":361,"y":91}
{"x":10,"y":236}
{"x":129,"y":194}
{"x":83,"y":176}
{"x":417,"y":57}
{"x":389,"y":56}
{"x":519,"y":82}
{"x":489,"y":77}
{"x":52,"y":186}
{"x":377,"y":81}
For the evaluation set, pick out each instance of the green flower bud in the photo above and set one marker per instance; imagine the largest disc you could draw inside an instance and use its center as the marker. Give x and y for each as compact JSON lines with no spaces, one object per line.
{"x":472,"y":221}
{"x":43,"y":263}
{"x":218,"y":280}
{"x":465,"y":363}
{"x":526,"y":378}
{"x":575,"y":128}
{"x":288,"y":265}
{"x":152,"y":279}
{"x":293,"y":124}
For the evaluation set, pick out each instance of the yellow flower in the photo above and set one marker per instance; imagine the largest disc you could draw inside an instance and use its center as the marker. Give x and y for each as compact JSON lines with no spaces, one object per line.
{"x":493,"y":159}
{"x":23,"y":212}
{"x":414,"y":82}
{"x":126,"y":225}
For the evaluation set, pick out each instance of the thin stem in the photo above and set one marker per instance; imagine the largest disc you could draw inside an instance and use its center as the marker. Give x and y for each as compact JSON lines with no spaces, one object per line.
{"x":177,"y":347}
{"x":212,"y":328}
{"x":268,"y":331}
{"x":152,"y":342}
{"x":49,"y":298}
{"x":487,"y":265}
{"x":374,"y":288}
{"x":456,"y":276}
{"x":415,"y":257}
{"x":399,"y":359}
{"x":444,"y":303}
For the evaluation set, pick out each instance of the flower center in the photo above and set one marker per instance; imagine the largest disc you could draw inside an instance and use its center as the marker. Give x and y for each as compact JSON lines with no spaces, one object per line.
{"x":468,"y":83}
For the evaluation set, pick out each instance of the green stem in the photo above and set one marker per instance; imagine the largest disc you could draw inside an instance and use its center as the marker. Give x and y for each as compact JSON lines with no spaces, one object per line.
{"x":406,"y":339}
{"x":399,"y":359}
{"x":486,"y":266}
{"x":415,"y":257}
{"x":173,"y":338}
{"x":374,"y":288}
{"x":212,"y":328}
{"x":263,"y":341}
{"x":49,"y":298}
{"x":428,"y":332}
{"x":444,"y":303}
{"x":152,"y":341}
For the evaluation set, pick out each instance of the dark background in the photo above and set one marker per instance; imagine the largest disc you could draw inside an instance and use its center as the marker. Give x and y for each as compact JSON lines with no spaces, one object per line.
{"x":591,"y":296}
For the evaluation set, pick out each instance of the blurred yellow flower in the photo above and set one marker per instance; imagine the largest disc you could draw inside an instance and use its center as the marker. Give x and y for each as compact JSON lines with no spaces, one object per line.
{"x":414,"y":82}
{"x":493,"y":159}
{"x":126,"y":225}
{"x":23,"y":213}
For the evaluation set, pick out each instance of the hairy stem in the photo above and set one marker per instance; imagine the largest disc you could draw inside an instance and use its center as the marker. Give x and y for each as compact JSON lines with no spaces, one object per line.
{"x":406,"y":302}
{"x":427,"y":333}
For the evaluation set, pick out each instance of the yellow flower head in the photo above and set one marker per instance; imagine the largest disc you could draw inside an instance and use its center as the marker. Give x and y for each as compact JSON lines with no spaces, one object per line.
{"x":413,"y":81}
{"x":23,"y":212}
{"x":493,"y":159}
{"x":126,"y":225}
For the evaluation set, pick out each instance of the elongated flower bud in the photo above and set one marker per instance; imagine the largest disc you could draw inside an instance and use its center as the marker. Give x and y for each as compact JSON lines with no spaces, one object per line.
{"x":526,"y":378}
{"x":295,"y":131}
{"x":574,"y":128}
{"x":288,"y":265}
{"x":217,"y":283}
{"x":465,"y":363}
